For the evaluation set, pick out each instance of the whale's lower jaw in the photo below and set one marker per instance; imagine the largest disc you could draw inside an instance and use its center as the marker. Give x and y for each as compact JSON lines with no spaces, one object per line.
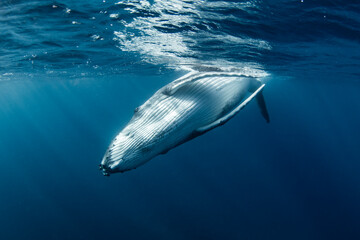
{"x":107,"y":172}
{"x":111,"y":163}
{"x":160,"y":145}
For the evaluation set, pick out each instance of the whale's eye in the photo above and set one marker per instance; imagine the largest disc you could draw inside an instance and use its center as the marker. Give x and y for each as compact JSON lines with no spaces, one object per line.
{"x":136,"y":110}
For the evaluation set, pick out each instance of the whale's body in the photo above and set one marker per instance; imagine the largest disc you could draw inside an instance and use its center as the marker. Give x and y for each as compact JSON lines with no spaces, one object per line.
{"x":178,"y":112}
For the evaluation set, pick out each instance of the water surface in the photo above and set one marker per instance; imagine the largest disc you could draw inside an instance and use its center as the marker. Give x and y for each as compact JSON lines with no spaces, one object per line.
{"x":71,"y":74}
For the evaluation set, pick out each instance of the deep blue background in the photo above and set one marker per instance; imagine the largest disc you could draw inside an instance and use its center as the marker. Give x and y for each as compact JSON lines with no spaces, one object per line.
{"x":295,"y":178}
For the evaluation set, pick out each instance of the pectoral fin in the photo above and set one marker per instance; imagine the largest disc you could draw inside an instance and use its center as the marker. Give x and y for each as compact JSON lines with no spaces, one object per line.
{"x":227,"y":117}
{"x":254,"y":85}
{"x":261,"y":103}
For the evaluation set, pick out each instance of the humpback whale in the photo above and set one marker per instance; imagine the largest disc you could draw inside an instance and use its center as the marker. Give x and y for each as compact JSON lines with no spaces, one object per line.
{"x":178,"y":112}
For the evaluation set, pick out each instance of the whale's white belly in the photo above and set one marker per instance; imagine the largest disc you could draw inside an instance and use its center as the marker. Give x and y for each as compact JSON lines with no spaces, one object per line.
{"x":172,"y":115}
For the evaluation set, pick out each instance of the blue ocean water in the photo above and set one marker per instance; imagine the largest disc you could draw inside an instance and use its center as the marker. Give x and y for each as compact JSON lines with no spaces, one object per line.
{"x":71,"y":73}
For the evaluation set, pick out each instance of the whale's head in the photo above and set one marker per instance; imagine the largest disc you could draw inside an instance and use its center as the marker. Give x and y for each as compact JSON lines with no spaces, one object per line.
{"x":127,"y":151}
